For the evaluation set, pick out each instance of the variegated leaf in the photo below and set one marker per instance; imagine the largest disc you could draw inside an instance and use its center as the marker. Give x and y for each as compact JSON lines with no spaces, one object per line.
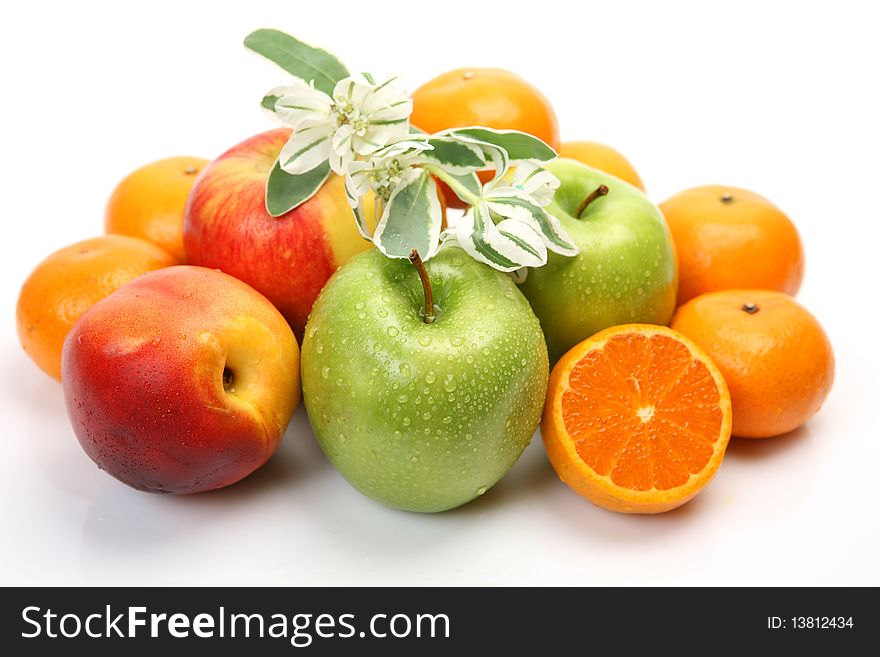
{"x":412,"y":218}
{"x":453,"y":156}
{"x":495,"y":156}
{"x":518,"y":145}
{"x":513,"y":204}
{"x":503,"y":247}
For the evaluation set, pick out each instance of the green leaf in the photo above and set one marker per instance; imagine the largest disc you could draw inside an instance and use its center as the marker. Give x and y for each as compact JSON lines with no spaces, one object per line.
{"x":297,"y":58}
{"x":412,"y":218}
{"x":285,"y":191}
{"x":269,"y":101}
{"x":454,"y":156}
{"x":519,"y":145}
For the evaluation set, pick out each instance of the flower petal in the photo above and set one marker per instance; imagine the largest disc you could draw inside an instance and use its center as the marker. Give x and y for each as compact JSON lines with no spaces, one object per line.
{"x":353,"y":89}
{"x":378,"y":136}
{"x":342,"y":139}
{"x":357,"y":181}
{"x":339,"y":161}
{"x":301,"y":103}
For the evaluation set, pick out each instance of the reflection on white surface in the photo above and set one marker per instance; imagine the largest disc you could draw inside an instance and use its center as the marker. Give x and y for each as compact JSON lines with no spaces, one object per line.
{"x":296,"y":521}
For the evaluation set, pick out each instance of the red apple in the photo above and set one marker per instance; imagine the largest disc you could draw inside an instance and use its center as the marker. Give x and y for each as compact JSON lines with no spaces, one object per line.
{"x":287,"y":258}
{"x":181,"y":381}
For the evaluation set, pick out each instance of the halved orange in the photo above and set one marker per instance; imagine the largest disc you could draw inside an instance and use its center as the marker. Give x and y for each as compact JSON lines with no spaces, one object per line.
{"x":637,"y":418}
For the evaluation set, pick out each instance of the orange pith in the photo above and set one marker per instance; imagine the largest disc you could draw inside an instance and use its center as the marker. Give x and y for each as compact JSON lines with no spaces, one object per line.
{"x":637,"y":418}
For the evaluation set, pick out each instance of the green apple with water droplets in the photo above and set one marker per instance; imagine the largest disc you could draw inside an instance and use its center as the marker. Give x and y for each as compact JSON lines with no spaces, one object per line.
{"x":626,"y":271}
{"x":423,"y":416}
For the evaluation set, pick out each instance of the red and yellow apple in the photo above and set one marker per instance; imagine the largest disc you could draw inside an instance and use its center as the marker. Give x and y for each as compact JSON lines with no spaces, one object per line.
{"x":181,"y":381}
{"x":287,"y":258}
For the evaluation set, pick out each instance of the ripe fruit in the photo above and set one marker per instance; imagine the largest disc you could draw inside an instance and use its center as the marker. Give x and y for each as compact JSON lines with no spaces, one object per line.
{"x":602,"y":157}
{"x":286,"y":258}
{"x":490,"y":97}
{"x":423,"y":417}
{"x":181,"y":381}
{"x":625,"y":271}
{"x":637,"y":419}
{"x":149,"y":203}
{"x":68,"y":282}
{"x":729,"y":238}
{"x":774,"y":355}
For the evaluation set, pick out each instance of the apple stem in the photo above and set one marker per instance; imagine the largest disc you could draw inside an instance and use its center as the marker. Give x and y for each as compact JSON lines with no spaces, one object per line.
{"x":419,"y":264}
{"x":601,"y":190}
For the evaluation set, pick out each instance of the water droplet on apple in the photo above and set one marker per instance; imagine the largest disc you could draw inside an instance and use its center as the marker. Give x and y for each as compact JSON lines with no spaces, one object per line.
{"x":312,"y":331}
{"x":406,"y":422}
{"x":319,"y":348}
{"x":449,"y":383}
{"x":382,"y":312}
{"x":481,"y":490}
{"x":325,"y":372}
{"x":369,"y":275}
{"x":426,"y":415}
{"x":469,"y":358}
{"x":404,"y":369}
{"x":392,"y":331}
{"x":414,"y":459}
{"x":425,"y":340}
{"x":402,"y":399}
{"x":457,"y":342}
{"x":342,"y":438}
{"x":362,"y":316}
{"x":359,"y":305}
{"x":430,"y":377}
{"x":447,"y":419}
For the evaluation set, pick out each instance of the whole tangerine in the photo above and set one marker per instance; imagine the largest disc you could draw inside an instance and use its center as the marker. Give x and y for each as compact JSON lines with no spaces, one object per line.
{"x":72,"y":280}
{"x":730,"y":238}
{"x":774,"y":355}
{"x":149,"y":203}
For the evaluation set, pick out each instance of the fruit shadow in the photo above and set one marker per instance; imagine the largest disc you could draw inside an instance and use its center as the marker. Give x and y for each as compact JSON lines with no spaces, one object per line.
{"x":533,"y":481}
{"x":749,"y":449}
{"x":530,"y":477}
{"x":48,"y":435}
{"x":126,"y":523}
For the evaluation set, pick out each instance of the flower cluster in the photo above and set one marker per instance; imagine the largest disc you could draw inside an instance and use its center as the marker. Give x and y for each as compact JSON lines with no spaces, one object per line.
{"x":359,"y":128}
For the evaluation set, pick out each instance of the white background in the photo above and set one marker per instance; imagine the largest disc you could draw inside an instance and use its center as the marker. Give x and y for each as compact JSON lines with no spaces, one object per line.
{"x":779,"y":97}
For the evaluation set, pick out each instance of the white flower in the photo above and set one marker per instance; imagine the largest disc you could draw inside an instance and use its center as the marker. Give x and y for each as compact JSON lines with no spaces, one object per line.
{"x":385,"y":169}
{"x":527,"y":177}
{"x":358,"y":119}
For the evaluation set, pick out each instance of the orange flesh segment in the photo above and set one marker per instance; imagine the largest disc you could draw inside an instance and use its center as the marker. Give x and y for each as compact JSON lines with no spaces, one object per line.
{"x":643,"y":411}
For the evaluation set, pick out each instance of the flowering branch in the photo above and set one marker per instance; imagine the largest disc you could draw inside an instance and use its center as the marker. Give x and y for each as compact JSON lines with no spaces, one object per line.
{"x":360,"y":129}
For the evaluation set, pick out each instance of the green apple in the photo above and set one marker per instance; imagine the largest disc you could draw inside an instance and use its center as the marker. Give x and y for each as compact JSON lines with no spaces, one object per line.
{"x":626,"y":270}
{"x":423,"y":416}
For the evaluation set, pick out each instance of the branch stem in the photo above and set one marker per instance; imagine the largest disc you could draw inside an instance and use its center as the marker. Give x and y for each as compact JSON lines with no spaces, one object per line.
{"x":460,"y":190}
